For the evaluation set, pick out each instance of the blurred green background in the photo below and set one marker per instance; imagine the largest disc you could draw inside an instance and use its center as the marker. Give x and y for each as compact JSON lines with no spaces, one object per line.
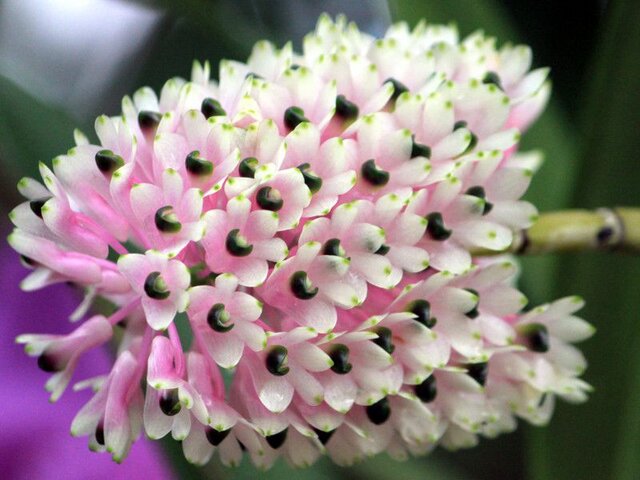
{"x":56,"y":76}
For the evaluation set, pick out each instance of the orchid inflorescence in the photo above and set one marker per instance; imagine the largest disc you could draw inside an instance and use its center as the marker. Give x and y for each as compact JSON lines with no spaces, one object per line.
{"x":286,"y":253}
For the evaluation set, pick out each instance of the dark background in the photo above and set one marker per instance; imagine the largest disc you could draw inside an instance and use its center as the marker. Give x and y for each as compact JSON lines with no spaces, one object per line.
{"x":590,"y":134}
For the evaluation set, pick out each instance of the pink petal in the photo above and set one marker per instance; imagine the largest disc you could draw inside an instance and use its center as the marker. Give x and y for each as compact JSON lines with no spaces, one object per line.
{"x":225,"y":349}
{"x":159,"y":313}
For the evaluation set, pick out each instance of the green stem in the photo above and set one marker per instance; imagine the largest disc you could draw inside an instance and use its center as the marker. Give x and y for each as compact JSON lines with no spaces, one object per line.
{"x":605,"y":229}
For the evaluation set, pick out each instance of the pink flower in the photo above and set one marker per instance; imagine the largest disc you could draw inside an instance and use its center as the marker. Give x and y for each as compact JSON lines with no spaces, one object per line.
{"x":225,"y":320}
{"x":284,"y":193}
{"x":362,"y":371}
{"x":59,"y":354}
{"x":300,"y":95}
{"x":241,"y":241}
{"x":203,"y":152}
{"x":440,"y":315}
{"x":169,"y":215}
{"x":169,"y":399}
{"x":113,"y":416}
{"x":499,"y":183}
{"x":286,"y":365}
{"x":309,"y":285}
{"x":455,"y":223}
{"x":161,"y":284}
{"x":48,"y":213}
{"x":386,"y":157}
{"x":325,"y":166}
{"x":350,"y":234}
{"x":497,"y":301}
{"x":550,"y":363}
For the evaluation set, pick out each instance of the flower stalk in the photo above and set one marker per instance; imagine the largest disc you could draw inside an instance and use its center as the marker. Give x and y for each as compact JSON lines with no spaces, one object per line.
{"x":577,"y":230}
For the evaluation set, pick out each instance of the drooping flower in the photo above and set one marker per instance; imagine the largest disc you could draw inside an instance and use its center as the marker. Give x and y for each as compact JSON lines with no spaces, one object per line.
{"x":302,"y":229}
{"x":113,"y":417}
{"x":59,"y":354}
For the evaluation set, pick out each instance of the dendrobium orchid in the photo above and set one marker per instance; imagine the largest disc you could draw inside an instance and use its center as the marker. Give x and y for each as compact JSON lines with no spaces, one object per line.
{"x":287,"y":254}
{"x":159,"y":283}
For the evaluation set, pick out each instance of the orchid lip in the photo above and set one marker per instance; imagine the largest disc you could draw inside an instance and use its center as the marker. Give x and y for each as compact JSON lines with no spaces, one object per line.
{"x":237,"y":244}
{"x":302,"y":287}
{"x":345,"y":109}
{"x":247,"y":167}
{"x":27,"y":261}
{"x":478,"y":371}
{"x":294,"y":116}
{"x":492,"y":78}
{"x":427,"y":390}
{"x":212,"y":108}
{"x":374,"y":175}
{"x":269,"y":198}
{"x":107,"y":161}
{"x":398,"y":87}
{"x":99,"y":433}
{"x":436,"y":228}
{"x":218,"y":318}
{"x":473,"y":313}
{"x":385,"y":339}
{"x":323,"y":435}
{"x":198,"y":166}
{"x":170,"y":402}
{"x":379,"y":412}
{"x":48,"y":363}
{"x":155,"y":287}
{"x":422,"y":310}
{"x":419,"y":150}
{"x":536,"y":335}
{"x":216,"y":437}
{"x":311,"y":180}
{"x":276,"y":440}
{"x":149,"y":120}
{"x":166,"y":220}
{"x":36,"y":205}
{"x":339,"y":354}
{"x":473,"y":140}
{"x":333,"y":247}
{"x":479,"y":192}
{"x":383,"y":250}
{"x":276,"y":361}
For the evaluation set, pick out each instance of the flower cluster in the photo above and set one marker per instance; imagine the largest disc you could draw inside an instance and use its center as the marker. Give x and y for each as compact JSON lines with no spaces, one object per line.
{"x":287,"y":254}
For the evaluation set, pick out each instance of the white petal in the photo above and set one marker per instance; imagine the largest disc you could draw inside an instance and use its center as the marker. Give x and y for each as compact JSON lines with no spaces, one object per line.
{"x":159,"y":313}
{"x":196,"y":447}
{"x":570,"y":329}
{"x":225,"y":349}
{"x":156,"y":423}
{"x":275,"y":393}
{"x":306,"y":386}
{"x":311,"y":357}
{"x":181,"y":424}
{"x":339,"y":391}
